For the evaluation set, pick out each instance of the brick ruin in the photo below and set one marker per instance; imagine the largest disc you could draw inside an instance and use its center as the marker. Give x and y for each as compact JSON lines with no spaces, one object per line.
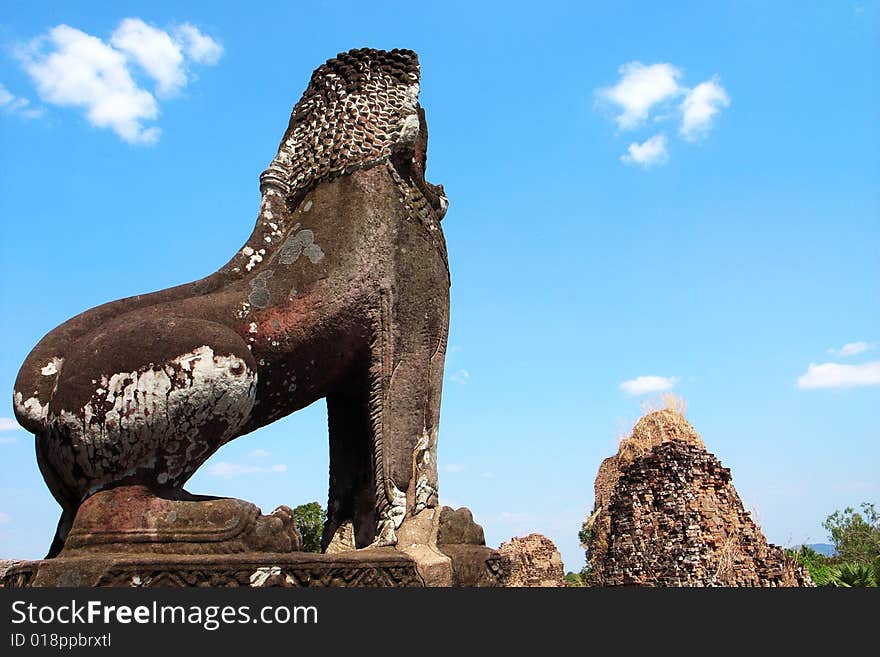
{"x":667,"y":514}
{"x":533,"y":561}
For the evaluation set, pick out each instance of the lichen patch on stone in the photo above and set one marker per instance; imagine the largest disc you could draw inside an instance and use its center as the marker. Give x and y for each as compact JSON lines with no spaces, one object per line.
{"x":52,"y":367}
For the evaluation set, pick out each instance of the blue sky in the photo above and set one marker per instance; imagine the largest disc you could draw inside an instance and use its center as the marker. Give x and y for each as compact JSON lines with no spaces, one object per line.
{"x":687,"y":193}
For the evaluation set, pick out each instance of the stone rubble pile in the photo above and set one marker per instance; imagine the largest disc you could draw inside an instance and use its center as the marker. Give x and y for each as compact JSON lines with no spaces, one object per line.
{"x":533,"y":561}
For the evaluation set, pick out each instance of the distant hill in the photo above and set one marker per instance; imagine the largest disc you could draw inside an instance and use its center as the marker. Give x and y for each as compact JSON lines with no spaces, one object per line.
{"x":822,"y":548}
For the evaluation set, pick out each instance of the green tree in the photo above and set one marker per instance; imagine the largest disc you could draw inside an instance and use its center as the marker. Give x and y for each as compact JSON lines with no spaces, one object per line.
{"x":584,"y":577}
{"x":856,"y":536}
{"x":584,"y":534}
{"x":574,"y":580}
{"x":806,"y":553}
{"x":309,"y":520}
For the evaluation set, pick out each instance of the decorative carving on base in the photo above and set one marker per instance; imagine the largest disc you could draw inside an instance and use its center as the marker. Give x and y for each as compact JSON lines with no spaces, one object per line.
{"x":362,"y":568}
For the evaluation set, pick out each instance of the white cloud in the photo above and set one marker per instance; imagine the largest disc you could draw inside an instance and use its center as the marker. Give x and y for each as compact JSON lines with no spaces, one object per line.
{"x":8,"y":424}
{"x":645,"y":384}
{"x":229,"y":470}
{"x":453,"y":467}
{"x":155,"y":51}
{"x":17,"y":105}
{"x":460,"y":377}
{"x":71,"y":68}
{"x":488,"y":475}
{"x":260,"y":453}
{"x":649,"y":93}
{"x":837,"y":375}
{"x":639,"y":89}
{"x":83,"y":71}
{"x":853,"y":348}
{"x":199,"y":47}
{"x":5,"y":517}
{"x":649,"y":153}
{"x":700,"y":106}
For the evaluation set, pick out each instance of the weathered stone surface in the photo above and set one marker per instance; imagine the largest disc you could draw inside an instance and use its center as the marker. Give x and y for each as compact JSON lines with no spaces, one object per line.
{"x":342,"y":540}
{"x":340,"y":292}
{"x":463,"y":541}
{"x":5,"y":566}
{"x":457,"y":526}
{"x":476,"y":565}
{"x":667,"y":514}
{"x":131,"y":519}
{"x":532,"y":561}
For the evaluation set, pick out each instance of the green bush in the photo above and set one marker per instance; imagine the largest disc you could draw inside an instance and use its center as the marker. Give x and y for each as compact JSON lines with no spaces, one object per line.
{"x":856,"y":538}
{"x":574,"y":580}
{"x":856,"y":574}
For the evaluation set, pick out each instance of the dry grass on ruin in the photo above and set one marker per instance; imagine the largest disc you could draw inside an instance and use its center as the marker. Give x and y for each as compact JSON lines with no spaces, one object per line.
{"x":668,"y":402}
{"x":657,"y":427}
{"x":727,"y":558}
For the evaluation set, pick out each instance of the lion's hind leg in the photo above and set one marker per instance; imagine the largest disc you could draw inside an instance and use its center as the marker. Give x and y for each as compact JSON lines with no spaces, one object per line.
{"x":145,"y":401}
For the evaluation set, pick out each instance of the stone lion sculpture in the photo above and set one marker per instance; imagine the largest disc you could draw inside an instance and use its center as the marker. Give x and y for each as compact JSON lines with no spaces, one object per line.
{"x":340,"y":292}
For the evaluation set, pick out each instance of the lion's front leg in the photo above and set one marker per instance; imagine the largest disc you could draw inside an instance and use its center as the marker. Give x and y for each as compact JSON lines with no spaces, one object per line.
{"x":405,"y":407}
{"x":404,"y":441}
{"x":425,"y":456}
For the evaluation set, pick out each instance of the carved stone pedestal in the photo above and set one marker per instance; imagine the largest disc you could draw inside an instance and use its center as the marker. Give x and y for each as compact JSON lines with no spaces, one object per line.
{"x":133,"y":536}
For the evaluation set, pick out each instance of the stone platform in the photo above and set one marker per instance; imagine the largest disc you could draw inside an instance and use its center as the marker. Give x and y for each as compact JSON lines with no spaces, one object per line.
{"x":370,"y":567}
{"x":131,"y":536}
